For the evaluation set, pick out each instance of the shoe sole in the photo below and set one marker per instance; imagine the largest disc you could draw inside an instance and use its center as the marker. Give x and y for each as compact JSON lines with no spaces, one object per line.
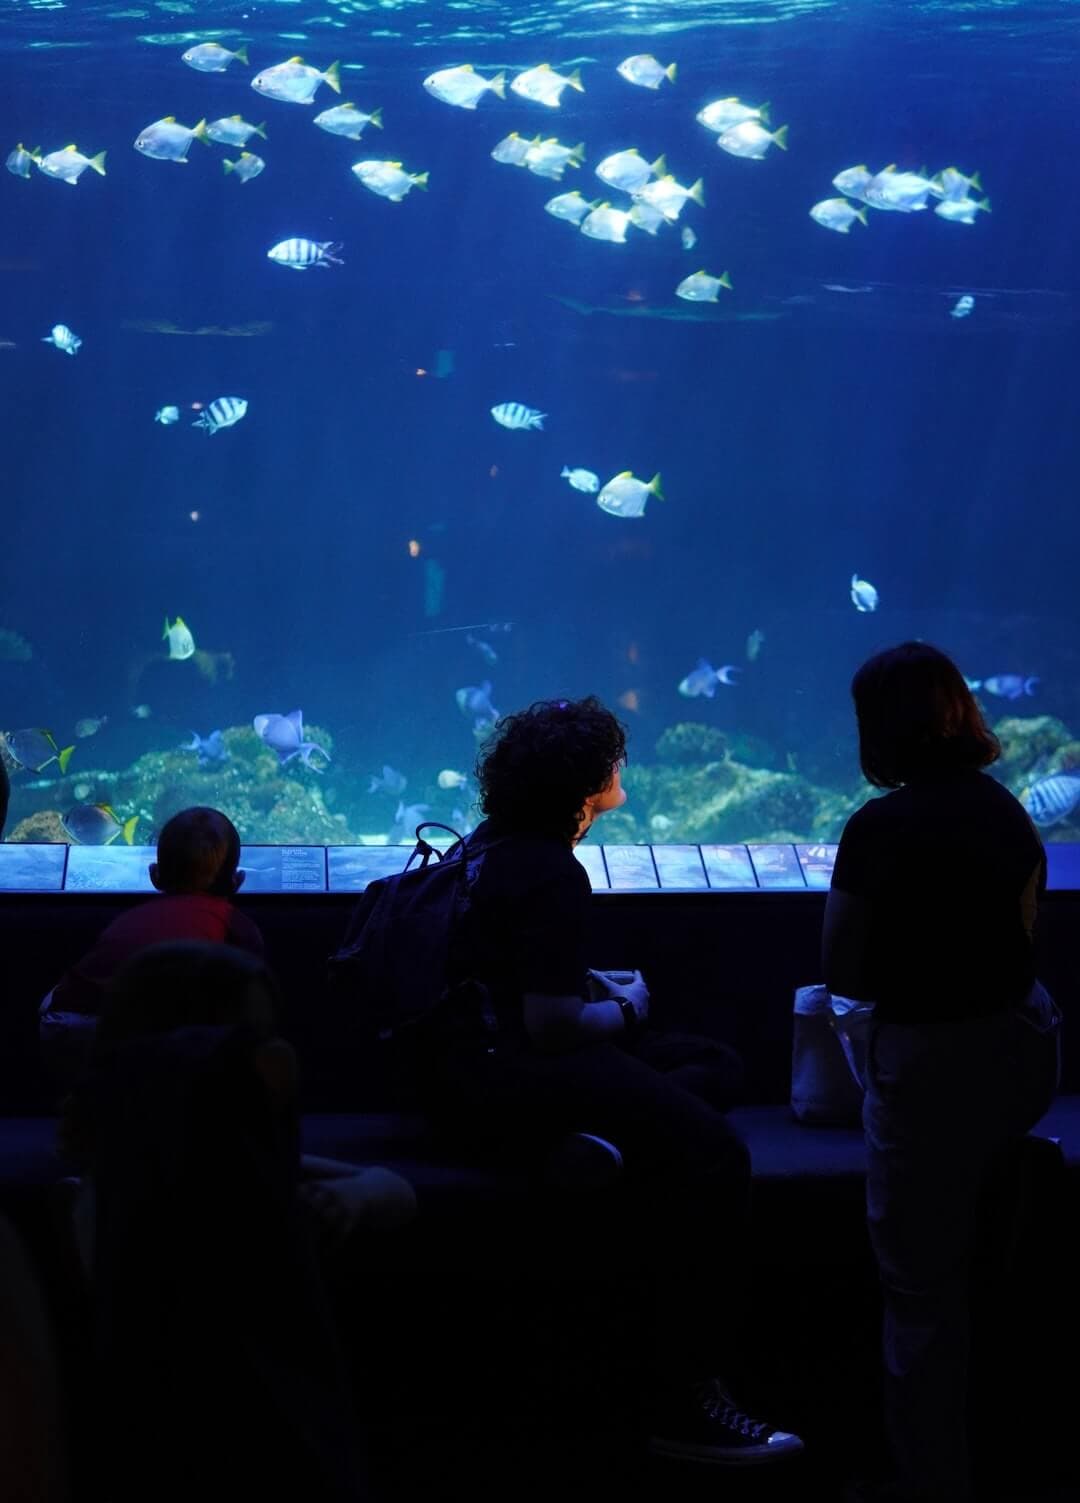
{"x":676,"y":1450}
{"x":584,"y":1161}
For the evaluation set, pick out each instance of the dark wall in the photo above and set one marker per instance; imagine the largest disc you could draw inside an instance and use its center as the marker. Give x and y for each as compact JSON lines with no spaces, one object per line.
{"x":721,"y":964}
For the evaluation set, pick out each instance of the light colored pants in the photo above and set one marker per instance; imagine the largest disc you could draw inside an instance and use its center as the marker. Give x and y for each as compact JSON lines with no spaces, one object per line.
{"x":943,"y":1102}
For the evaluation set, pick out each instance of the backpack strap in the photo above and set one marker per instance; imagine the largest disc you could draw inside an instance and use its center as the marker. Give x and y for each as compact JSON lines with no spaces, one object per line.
{"x":423,"y":847}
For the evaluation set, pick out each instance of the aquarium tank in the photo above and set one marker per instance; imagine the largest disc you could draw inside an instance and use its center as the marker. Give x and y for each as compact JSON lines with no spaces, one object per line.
{"x":374,"y":368}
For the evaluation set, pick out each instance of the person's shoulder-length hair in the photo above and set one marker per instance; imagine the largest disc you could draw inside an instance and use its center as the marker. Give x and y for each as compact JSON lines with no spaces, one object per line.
{"x":540,"y":765}
{"x":917,"y":717}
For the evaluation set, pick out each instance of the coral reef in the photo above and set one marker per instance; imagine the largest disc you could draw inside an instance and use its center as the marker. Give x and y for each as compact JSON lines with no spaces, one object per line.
{"x":43,"y":828}
{"x":268,"y":803}
{"x":702,"y":787}
{"x":689,"y":742}
{"x":1027,"y":744}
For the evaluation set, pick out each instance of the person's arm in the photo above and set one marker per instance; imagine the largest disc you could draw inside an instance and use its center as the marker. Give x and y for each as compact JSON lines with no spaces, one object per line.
{"x":844,"y":946}
{"x":845,"y":938}
{"x":76,"y":991}
{"x":557,"y":1023}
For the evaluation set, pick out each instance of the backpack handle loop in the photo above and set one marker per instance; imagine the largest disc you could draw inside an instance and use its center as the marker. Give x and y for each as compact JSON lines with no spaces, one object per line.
{"x":425,"y":850}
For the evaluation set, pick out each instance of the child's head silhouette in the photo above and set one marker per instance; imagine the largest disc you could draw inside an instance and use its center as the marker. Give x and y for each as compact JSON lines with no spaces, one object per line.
{"x":198,"y":851}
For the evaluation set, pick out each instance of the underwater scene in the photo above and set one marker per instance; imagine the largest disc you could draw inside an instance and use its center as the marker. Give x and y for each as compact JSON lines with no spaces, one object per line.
{"x":373,"y":368}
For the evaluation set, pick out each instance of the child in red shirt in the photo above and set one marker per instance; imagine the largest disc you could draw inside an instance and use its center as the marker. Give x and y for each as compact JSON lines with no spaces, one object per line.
{"x":197,"y":873}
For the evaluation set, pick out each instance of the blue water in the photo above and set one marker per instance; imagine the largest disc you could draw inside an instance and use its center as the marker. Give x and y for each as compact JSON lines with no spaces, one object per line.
{"x":802,"y":433}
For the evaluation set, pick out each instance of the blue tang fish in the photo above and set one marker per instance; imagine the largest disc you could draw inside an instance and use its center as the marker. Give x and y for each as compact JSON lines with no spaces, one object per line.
{"x":406,"y":819}
{"x":1010,"y":685}
{"x":704,"y":678}
{"x":285,"y":735}
{"x":210,"y":748}
{"x":475,"y":700}
{"x":391,"y":781}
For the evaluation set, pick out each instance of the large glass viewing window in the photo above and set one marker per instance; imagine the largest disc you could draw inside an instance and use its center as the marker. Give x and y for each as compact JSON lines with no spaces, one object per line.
{"x":372,"y":370}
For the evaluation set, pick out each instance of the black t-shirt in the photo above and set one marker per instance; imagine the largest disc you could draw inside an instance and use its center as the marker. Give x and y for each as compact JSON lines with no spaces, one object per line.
{"x":527,"y":924}
{"x":951,"y":866}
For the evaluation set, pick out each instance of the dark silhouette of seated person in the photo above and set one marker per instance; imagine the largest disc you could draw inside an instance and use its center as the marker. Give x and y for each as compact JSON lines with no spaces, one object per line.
{"x":538,"y":1050}
{"x":32,"y":1441}
{"x":216,"y":1352}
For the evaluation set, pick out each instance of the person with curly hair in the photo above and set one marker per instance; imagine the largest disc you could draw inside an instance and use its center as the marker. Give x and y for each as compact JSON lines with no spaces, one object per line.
{"x":930,"y":918}
{"x":563,"y":1054}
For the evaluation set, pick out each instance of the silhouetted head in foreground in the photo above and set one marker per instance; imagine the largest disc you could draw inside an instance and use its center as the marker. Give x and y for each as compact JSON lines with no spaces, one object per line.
{"x":188,"y":984}
{"x":917,"y":717}
{"x":198,"y":851}
{"x":181,"y":985}
{"x":550,"y":769}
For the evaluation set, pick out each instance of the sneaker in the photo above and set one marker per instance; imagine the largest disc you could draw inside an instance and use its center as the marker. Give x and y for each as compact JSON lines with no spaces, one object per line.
{"x":705,"y":1424}
{"x":582,"y":1161}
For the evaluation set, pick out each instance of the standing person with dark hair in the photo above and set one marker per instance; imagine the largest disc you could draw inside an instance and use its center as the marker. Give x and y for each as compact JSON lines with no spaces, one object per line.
{"x":541,"y":1050}
{"x":930,"y":917}
{"x":5,"y":794}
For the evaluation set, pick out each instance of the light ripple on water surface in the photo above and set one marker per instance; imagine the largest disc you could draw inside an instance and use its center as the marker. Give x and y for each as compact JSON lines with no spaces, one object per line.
{"x":437,"y":23}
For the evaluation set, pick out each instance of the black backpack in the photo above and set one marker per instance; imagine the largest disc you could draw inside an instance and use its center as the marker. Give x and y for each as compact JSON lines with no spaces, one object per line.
{"x":400,"y":971}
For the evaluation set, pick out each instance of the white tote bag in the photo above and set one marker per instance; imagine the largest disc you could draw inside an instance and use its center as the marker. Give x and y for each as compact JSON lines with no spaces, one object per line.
{"x":828,"y":1058}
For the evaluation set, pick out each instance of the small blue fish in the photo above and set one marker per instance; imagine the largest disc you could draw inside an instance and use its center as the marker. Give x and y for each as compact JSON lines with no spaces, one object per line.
{"x":285,"y":735}
{"x":391,"y":782}
{"x":1052,"y":799}
{"x":1010,"y":685}
{"x":475,"y":700}
{"x":485,"y":649}
{"x":704,"y":678}
{"x":863,"y":595}
{"x":406,"y":819}
{"x":210,"y":748}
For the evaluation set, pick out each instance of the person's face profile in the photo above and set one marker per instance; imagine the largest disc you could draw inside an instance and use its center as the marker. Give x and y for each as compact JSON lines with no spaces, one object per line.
{"x":611,"y":796}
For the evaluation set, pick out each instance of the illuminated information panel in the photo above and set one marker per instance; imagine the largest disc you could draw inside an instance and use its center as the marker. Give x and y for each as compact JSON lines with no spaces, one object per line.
{"x":32,"y":868}
{"x":817,"y":862}
{"x":109,"y":868}
{"x":284,"y":868}
{"x":287,"y":869}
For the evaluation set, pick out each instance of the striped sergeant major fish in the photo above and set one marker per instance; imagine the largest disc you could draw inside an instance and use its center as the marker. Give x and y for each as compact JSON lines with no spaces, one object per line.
{"x":222,"y":413}
{"x":299,"y":254}
{"x":517,"y":415}
{"x":1052,"y":799}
